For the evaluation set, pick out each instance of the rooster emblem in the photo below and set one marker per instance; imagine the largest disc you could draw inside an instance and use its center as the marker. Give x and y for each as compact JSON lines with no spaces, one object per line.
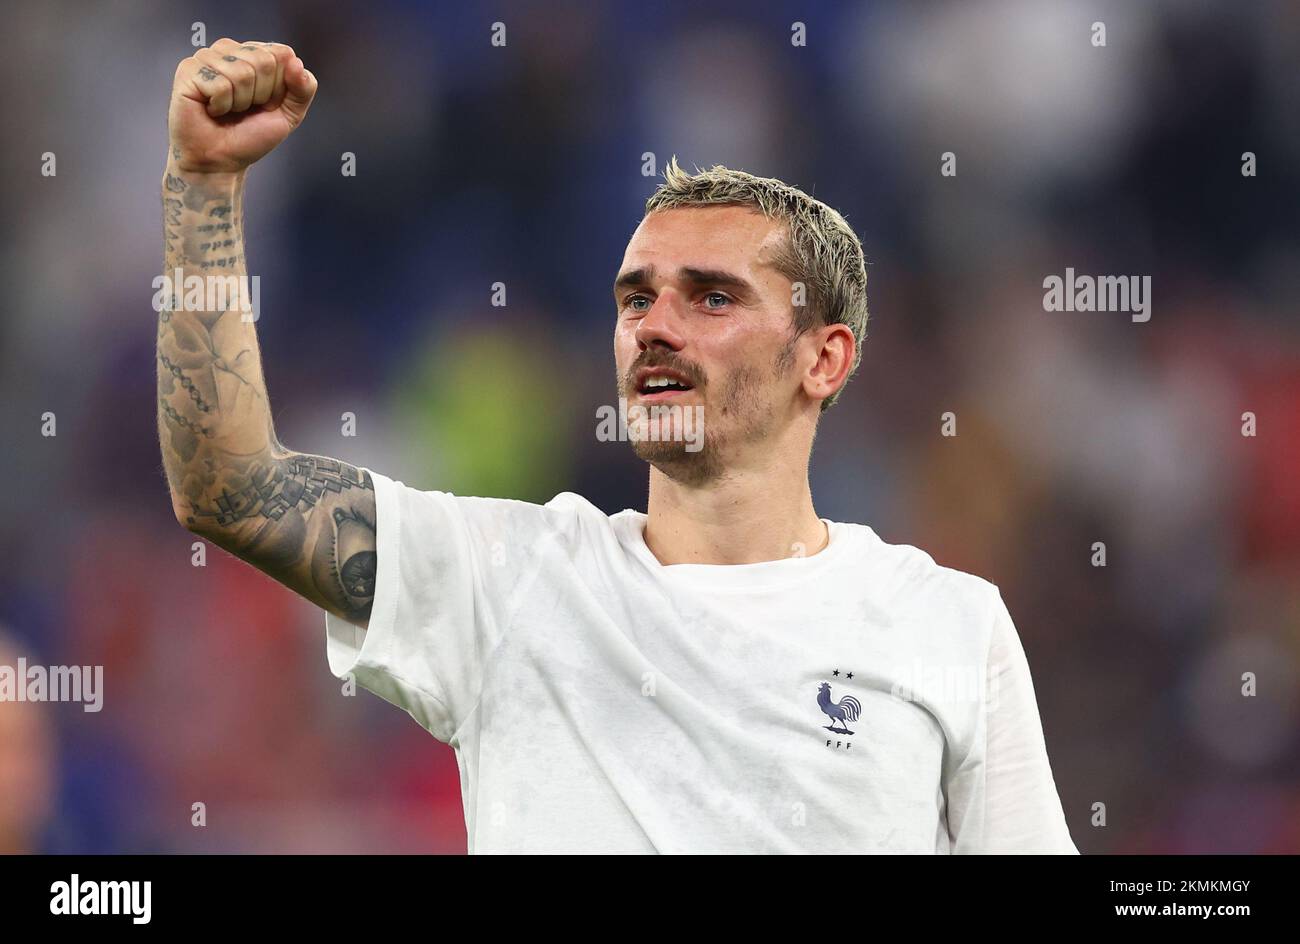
{"x":845,"y":710}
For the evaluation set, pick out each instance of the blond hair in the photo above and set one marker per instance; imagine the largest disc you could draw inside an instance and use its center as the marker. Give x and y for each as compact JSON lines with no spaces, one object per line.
{"x":822,"y":251}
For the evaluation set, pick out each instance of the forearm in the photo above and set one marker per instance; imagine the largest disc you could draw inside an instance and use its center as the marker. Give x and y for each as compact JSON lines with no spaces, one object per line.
{"x":307,"y":521}
{"x":214,"y":421}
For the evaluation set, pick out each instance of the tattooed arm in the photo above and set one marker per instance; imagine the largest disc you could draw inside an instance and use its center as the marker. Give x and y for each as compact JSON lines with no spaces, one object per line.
{"x":307,"y":521}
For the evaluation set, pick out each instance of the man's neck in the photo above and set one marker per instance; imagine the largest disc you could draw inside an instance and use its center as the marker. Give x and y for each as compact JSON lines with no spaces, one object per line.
{"x":746,"y":516}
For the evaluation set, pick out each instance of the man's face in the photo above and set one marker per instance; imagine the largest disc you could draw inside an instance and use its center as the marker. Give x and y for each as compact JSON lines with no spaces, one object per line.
{"x":699,"y":302}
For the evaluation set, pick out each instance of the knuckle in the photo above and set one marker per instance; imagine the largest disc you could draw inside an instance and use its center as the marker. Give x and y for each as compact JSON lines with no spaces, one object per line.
{"x":239,"y":70}
{"x":257,"y":56}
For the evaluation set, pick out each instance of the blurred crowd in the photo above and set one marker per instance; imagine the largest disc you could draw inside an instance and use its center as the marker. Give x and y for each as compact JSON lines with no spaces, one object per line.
{"x":522,"y":164}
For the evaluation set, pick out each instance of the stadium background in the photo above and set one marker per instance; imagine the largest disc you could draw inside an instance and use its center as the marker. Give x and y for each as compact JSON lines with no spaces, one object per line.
{"x":523,"y":165}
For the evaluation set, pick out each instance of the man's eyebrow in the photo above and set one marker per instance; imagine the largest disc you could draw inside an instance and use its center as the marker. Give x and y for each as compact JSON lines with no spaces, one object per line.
{"x":715,"y":277}
{"x":634,"y":278}
{"x":639,"y":278}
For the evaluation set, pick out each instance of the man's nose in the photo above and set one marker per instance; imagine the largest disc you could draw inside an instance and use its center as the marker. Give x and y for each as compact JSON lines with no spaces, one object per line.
{"x":662,"y":324}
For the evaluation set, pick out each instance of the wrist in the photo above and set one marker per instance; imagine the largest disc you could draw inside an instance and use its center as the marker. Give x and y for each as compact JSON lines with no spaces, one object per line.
{"x":178,"y":177}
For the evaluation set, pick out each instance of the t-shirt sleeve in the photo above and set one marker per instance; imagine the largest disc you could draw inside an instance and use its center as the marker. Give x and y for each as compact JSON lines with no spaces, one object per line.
{"x":449,"y":574}
{"x":1004,"y":799}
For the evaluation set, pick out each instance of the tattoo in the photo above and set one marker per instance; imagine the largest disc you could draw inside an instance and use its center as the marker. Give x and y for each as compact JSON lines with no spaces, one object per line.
{"x":185,"y":381}
{"x":282,"y":485}
{"x":307,"y":521}
{"x":181,"y":421}
{"x":176,"y":153}
{"x":207,"y":73}
{"x":171,"y":217}
{"x":352,"y":543}
{"x":231,"y":58}
{"x":270,"y":519}
{"x":358,"y":575}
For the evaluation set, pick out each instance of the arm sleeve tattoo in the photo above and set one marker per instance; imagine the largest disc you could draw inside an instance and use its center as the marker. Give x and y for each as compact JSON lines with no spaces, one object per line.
{"x":307,"y":521}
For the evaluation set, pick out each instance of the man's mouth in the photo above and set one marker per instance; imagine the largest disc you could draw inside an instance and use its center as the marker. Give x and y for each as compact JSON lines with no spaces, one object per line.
{"x":655,"y":385}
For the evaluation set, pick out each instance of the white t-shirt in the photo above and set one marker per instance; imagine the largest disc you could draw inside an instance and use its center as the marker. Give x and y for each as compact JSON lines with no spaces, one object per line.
{"x":860,"y":699}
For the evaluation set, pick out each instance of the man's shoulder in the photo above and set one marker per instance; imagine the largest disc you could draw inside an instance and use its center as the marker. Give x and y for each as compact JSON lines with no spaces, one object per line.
{"x":566,"y":512}
{"x":571,"y":503}
{"x":907,"y":573}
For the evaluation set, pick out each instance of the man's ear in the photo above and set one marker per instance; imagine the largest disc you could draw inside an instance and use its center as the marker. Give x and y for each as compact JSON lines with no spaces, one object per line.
{"x":836,"y":348}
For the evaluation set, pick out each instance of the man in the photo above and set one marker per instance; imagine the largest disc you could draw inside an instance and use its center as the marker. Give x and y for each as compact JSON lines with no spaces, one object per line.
{"x":728,"y":672}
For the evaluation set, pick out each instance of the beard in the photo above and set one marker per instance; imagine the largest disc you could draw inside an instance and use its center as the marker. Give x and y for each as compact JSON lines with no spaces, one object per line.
{"x":740,"y":415}
{"x":673,"y":460}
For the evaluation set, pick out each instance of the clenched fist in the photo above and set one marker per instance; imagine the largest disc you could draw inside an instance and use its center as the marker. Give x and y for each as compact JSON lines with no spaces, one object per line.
{"x":232,"y":103}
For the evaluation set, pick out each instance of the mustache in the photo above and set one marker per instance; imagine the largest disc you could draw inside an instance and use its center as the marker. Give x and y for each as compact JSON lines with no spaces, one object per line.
{"x":658,"y":359}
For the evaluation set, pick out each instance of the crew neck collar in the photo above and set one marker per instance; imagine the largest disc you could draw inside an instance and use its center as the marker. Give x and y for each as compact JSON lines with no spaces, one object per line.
{"x":759,"y":575}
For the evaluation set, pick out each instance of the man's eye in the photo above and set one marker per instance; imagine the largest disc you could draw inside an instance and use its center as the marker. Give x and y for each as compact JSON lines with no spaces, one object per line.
{"x":634,"y":300}
{"x":722,"y":300}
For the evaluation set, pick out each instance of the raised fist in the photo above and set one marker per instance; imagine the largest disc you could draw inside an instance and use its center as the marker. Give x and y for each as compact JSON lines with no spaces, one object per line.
{"x":232,"y":103}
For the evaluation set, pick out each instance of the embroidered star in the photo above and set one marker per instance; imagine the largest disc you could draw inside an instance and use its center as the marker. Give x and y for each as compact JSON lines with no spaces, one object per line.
{"x":850,"y":675}
{"x":836,"y":673}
